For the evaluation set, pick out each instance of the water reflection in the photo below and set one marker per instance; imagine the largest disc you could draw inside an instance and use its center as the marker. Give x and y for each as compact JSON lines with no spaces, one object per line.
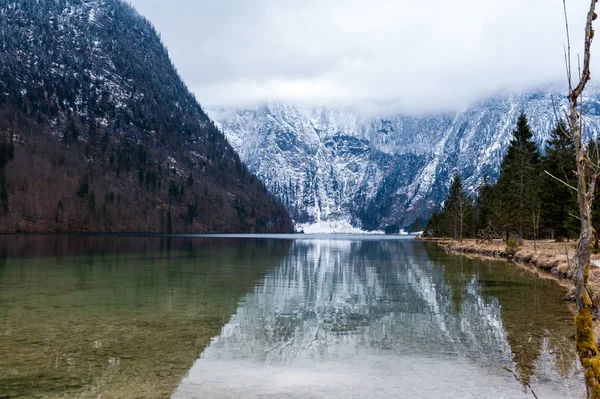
{"x":398,"y":317}
{"x":128,"y":317}
{"x":117,"y":317}
{"x":536,"y":321}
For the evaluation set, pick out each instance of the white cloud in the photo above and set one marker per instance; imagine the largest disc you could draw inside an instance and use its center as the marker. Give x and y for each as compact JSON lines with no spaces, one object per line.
{"x":411,"y":55}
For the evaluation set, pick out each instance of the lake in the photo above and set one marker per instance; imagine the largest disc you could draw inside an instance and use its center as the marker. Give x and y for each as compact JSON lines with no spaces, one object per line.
{"x":275,"y":317}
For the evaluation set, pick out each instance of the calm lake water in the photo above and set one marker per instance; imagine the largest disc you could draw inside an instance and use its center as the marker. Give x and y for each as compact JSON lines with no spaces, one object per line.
{"x":264,"y":317}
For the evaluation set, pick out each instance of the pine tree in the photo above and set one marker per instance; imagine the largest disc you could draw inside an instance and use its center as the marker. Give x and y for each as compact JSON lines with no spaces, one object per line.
{"x":456,"y":217}
{"x":483,"y":205}
{"x":417,"y":226}
{"x":559,"y":201}
{"x":459,"y":207}
{"x":516,"y":198}
{"x":433,"y":227}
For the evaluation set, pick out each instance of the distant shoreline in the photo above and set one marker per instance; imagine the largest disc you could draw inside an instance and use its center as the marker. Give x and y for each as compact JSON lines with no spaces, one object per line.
{"x":283,"y":236}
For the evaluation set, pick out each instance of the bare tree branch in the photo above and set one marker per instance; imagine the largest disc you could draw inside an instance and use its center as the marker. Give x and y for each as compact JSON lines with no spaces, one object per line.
{"x":574,"y":216}
{"x":568,"y":49}
{"x":566,"y":113}
{"x":554,"y":108}
{"x":585,"y":74}
{"x":559,"y":180}
{"x":521,"y":381}
{"x":558,"y":119}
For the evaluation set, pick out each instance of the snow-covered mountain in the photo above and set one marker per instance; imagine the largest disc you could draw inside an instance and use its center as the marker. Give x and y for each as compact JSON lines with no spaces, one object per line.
{"x":336,"y":164}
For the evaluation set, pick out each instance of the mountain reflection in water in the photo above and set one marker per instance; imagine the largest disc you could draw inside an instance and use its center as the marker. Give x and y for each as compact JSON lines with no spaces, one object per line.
{"x":250,"y":317}
{"x":345,"y":318}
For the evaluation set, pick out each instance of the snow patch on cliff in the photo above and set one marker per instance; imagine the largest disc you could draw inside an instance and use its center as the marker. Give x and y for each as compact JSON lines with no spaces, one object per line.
{"x":332,"y":227}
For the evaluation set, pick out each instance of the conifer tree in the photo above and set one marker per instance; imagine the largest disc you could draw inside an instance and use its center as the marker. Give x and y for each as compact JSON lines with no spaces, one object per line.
{"x":483,"y":205}
{"x":559,"y":201}
{"x":456,"y":217}
{"x":417,"y":226}
{"x":460,"y":208}
{"x":434,"y":225}
{"x":516,"y":197}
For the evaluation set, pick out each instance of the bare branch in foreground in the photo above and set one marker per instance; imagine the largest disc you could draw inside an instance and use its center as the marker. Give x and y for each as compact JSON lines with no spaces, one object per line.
{"x":521,"y":381}
{"x":561,"y":181}
{"x":568,"y":49}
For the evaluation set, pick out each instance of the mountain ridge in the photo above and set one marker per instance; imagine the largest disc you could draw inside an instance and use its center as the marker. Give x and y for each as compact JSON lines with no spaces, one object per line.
{"x":336,"y":164}
{"x":106,"y":135}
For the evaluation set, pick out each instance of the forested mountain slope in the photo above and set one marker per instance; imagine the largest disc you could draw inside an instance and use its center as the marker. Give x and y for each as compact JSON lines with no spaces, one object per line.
{"x":99,"y":132}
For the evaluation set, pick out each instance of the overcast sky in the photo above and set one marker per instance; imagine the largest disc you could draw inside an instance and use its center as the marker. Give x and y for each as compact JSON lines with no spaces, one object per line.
{"x":398,"y":55}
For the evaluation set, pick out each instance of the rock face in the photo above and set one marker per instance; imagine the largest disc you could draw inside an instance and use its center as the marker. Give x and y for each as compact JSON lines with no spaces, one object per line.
{"x":106,"y":135}
{"x":335,"y":164}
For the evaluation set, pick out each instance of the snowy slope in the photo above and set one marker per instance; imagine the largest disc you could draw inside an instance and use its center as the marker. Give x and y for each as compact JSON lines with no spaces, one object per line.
{"x":335,"y":164}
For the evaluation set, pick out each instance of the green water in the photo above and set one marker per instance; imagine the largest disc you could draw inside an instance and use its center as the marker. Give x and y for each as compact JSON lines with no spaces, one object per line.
{"x":139,"y":317}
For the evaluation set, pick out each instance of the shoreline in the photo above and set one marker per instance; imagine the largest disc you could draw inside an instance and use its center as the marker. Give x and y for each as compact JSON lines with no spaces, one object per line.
{"x":550,"y":258}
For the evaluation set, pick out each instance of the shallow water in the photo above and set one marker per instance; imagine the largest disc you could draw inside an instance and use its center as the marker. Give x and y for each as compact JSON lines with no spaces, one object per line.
{"x":261,"y":317}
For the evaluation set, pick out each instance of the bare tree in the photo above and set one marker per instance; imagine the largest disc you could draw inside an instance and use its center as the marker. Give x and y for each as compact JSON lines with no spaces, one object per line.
{"x":587,"y":174}
{"x":535,"y":223}
{"x":462,"y":208}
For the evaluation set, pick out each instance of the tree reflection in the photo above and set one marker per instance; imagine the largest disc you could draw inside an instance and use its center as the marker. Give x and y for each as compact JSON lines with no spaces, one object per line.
{"x":536,"y":320}
{"x":333,"y":298}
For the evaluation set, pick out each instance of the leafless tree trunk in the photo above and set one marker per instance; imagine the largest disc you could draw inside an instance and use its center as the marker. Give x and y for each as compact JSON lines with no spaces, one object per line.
{"x":461,"y":210}
{"x":587,"y":174}
{"x":536,"y":226}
